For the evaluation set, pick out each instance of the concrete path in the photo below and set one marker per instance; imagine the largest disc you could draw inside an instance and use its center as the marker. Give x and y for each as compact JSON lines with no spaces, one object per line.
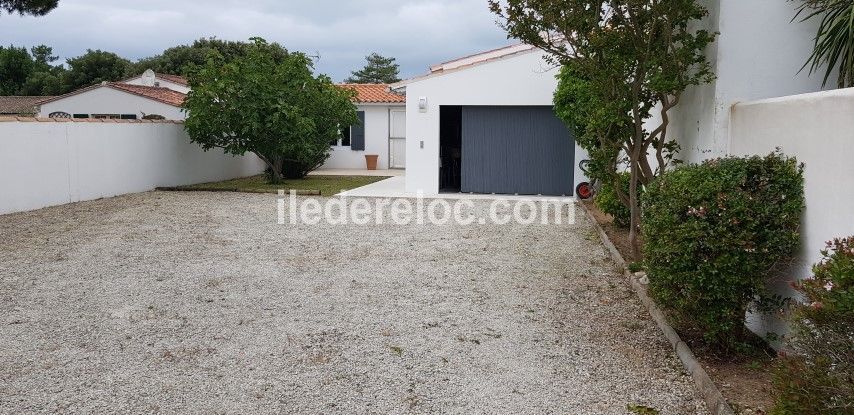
{"x":200,"y":303}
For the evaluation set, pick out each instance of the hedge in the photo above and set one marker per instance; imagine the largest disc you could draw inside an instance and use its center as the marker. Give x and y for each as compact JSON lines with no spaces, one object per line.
{"x":713,"y":232}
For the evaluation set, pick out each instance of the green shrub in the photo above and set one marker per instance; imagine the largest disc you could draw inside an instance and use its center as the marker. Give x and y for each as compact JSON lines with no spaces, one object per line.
{"x":608,"y":201}
{"x":713,"y":232}
{"x":816,"y":376}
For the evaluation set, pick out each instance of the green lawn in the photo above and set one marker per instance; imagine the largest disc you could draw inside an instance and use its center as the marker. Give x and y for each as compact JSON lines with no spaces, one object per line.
{"x":327,"y":185}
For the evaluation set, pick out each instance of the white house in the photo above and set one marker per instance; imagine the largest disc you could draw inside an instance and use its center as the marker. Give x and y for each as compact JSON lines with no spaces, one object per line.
{"x":484,"y":124}
{"x":115,"y":100}
{"x":382,"y":133}
{"x":758,"y":54}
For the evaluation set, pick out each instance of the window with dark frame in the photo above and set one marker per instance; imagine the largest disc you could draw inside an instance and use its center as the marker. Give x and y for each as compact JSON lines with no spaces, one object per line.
{"x":343,"y":140}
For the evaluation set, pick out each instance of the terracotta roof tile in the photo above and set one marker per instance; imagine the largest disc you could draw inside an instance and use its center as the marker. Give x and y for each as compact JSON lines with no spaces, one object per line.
{"x":4,"y":118}
{"x":15,"y":105}
{"x":374,"y":94}
{"x":176,"y":79}
{"x":164,"y":95}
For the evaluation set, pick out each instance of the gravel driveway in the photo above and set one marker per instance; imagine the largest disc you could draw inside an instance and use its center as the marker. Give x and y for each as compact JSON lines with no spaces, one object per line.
{"x":200,"y":303}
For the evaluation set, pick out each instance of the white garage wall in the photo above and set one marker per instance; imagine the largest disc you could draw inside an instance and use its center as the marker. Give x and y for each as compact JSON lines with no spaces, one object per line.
{"x":52,"y":163}
{"x":376,"y":141}
{"x":521,"y":79}
{"x":106,"y":100}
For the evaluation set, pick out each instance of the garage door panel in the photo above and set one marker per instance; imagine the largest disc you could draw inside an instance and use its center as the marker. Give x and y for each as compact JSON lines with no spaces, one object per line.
{"x":524,"y":150}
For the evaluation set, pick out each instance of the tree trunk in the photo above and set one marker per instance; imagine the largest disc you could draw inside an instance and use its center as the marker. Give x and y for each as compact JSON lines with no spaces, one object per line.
{"x":275,"y":166}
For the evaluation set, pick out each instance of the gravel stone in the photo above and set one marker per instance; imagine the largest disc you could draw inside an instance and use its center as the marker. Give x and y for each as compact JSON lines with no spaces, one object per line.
{"x":169,"y":302}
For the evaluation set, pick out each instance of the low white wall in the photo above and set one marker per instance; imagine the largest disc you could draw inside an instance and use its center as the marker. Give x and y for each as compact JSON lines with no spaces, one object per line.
{"x":51,"y":163}
{"x":818,"y":129}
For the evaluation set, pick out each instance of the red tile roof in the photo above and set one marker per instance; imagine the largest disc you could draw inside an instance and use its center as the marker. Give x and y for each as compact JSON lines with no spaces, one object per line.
{"x":374,"y":94}
{"x":164,"y":95}
{"x":20,"y":104}
{"x":156,"y":93}
{"x":6,"y":118}
{"x":175,"y":79}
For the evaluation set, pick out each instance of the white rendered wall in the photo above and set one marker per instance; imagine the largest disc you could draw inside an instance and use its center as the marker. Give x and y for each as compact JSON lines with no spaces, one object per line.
{"x":106,"y":100}
{"x":376,"y":141}
{"x":757,"y":55}
{"x":818,"y":129}
{"x":52,"y":163}
{"x":522,"y":79}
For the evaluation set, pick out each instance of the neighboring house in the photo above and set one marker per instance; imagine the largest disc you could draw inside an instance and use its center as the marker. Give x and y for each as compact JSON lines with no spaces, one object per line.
{"x":27,"y":106}
{"x":484,"y":124}
{"x":382,"y":132}
{"x":150,"y":78}
{"x":115,"y":100}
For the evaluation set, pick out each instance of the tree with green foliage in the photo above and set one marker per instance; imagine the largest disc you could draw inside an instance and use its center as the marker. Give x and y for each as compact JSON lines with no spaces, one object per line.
{"x":94,"y":67}
{"x":270,"y":105}
{"x":16,"y":64}
{"x":626,"y":59}
{"x":45,"y":78}
{"x":180,"y":60}
{"x":31,"y":7}
{"x":834,"y":42}
{"x":378,"y":70}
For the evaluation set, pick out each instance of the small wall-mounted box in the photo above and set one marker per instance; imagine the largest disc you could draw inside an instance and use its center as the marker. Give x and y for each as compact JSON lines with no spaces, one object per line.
{"x":422,"y":104}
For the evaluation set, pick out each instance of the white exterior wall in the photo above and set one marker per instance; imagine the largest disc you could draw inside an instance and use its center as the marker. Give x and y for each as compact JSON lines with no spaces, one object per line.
{"x":818,"y":129}
{"x":522,"y":79}
{"x":53,"y":163}
{"x":106,"y":100}
{"x":757,"y":55}
{"x":376,"y":141}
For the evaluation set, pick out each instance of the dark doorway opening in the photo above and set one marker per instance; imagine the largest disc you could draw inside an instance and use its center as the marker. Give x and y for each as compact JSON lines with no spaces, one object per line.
{"x":450,"y":148}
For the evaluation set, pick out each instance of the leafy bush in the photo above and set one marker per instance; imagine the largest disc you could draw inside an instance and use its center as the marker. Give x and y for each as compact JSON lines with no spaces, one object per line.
{"x":609,"y":202}
{"x":268,"y":102}
{"x":713,"y":233}
{"x":817,"y":376}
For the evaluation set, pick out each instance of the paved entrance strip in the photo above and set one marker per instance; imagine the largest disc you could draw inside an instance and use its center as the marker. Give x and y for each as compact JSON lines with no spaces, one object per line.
{"x":199,"y":302}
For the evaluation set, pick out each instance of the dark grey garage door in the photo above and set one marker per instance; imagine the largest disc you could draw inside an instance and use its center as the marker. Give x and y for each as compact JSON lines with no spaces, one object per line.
{"x":524,"y":150}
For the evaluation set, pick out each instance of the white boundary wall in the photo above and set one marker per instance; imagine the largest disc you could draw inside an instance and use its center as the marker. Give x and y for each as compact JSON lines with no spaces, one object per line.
{"x":49,"y":163}
{"x":818,"y":129}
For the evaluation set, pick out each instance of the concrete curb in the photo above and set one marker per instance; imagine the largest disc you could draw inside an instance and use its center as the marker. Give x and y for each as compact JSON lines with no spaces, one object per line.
{"x":231,"y":190}
{"x":715,"y":401}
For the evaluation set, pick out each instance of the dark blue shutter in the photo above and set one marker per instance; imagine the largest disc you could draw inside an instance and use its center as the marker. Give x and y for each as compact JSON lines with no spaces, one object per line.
{"x":357,"y":133}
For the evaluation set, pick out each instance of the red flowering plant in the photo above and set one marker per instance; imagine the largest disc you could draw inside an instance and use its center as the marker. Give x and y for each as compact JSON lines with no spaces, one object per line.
{"x":816,"y":374}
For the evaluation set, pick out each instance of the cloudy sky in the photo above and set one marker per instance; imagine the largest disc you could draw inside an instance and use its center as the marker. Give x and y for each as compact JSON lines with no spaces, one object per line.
{"x":416,"y":32}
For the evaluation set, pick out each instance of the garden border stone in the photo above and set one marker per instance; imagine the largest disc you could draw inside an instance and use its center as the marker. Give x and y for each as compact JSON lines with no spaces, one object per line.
{"x":298,"y":192}
{"x":715,"y":401}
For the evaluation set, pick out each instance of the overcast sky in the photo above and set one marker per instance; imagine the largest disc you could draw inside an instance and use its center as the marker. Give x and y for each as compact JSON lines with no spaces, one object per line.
{"x":416,"y":32}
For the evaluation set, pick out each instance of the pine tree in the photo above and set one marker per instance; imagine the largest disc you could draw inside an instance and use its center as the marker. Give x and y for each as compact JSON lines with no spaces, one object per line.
{"x":378,"y":70}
